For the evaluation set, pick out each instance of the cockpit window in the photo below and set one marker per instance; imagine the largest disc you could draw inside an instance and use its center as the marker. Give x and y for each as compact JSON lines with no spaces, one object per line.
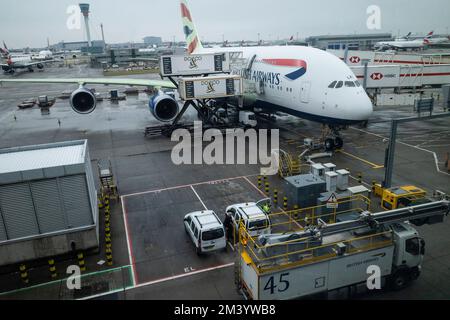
{"x":357,"y":84}
{"x":332,"y":84}
{"x":349,"y":84}
{"x":339,"y":84}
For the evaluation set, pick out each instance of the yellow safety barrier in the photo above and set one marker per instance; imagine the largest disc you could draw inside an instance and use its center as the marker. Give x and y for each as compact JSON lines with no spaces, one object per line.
{"x":259,"y":182}
{"x":52,"y":268}
{"x":285,"y":203}
{"x":81,"y":262}
{"x":108,"y":242}
{"x":109,"y":259}
{"x":107,"y":231}
{"x":275,"y":196}
{"x":266,"y":188}
{"x":24,"y":273}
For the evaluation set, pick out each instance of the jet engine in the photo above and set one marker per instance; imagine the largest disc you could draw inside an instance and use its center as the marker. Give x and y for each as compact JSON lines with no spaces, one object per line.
{"x":163,"y":107}
{"x":83,"y":101}
{"x":40,"y":66}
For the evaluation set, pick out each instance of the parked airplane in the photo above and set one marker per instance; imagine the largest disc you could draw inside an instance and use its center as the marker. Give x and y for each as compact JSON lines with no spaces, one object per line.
{"x":43,"y":55}
{"x":297,"y":80}
{"x":409,"y":44}
{"x":302,"y":81}
{"x":10,"y":64}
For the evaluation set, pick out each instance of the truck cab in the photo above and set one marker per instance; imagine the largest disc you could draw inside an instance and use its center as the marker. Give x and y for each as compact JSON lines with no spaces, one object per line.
{"x":408,"y":254}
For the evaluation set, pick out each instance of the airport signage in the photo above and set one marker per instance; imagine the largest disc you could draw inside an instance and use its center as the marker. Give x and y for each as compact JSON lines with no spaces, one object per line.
{"x":210,"y":87}
{"x":355,"y":59}
{"x":194,"y":64}
{"x":379,"y":76}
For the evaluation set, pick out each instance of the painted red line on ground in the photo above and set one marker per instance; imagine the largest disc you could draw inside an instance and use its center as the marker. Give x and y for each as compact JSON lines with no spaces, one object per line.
{"x":130,"y":246}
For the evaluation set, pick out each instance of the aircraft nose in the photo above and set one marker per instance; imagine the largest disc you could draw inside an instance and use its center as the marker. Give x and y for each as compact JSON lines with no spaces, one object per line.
{"x":364,"y":107}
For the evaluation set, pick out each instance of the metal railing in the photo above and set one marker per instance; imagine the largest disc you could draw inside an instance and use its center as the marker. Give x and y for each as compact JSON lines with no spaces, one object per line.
{"x":305,"y":250}
{"x":286,"y":254}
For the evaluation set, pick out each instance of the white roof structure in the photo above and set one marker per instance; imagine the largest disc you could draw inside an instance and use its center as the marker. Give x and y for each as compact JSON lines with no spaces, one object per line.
{"x":40,"y":161}
{"x":41,"y":158}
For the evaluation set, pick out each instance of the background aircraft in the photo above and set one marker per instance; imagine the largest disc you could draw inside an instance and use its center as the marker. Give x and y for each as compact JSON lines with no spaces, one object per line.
{"x":10,"y":64}
{"x":408,"y":43}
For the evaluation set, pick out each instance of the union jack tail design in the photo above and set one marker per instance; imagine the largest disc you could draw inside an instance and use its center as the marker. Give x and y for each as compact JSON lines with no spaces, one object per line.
{"x":4,"y":50}
{"x":189,"y":30}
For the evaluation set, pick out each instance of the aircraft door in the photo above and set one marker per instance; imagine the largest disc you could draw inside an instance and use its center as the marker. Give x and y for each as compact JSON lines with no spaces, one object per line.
{"x":305,"y":91}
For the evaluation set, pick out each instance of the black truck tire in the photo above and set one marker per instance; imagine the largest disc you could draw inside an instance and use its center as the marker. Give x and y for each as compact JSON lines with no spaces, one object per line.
{"x":399,"y":280}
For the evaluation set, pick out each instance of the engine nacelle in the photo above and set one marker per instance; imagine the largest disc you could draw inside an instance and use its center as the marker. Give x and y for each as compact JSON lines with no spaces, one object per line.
{"x":83,"y":101}
{"x":163,"y":107}
{"x":40,"y":66}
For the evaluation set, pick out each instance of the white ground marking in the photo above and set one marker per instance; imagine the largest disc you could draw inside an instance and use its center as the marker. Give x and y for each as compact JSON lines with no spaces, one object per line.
{"x":436,"y":162}
{"x":181,"y":275}
{"x":203,"y":204}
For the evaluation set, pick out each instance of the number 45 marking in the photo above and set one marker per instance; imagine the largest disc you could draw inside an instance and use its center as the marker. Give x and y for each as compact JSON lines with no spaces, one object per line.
{"x":283,"y":284}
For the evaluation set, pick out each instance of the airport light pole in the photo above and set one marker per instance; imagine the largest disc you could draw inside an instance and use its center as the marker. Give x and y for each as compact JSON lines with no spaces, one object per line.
{"x":103,"y":38}
{"x":390,"y":151}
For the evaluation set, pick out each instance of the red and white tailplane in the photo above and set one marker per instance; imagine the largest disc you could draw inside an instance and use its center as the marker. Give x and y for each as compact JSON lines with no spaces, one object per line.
{"x":426,"y":40}
{"x":190,"y":32}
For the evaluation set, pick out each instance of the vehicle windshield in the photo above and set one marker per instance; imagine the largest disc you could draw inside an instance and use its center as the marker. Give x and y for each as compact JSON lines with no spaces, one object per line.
{"x":212,"y":234}
{"x":257,"y":224}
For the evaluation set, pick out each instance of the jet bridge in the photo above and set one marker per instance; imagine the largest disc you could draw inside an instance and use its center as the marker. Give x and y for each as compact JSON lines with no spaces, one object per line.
{"x":204,"y":82}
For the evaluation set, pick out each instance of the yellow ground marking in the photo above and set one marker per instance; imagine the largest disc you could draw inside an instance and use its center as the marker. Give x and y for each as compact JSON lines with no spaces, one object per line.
{"x":374,"y":165}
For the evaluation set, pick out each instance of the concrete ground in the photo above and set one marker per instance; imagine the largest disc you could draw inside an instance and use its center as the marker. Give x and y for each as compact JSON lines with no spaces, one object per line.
{"x":153,"y":257}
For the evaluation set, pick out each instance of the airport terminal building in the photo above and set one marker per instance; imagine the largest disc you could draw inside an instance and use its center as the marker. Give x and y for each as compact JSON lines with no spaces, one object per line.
{"x":352,"y":41}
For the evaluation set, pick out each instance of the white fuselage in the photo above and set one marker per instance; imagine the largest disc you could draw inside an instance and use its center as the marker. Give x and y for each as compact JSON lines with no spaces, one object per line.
{"x":296,"y":79}
{"x":404,"y":44}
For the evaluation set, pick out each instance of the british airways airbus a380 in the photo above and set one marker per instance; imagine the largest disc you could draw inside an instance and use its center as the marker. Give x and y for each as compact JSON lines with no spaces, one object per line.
{"x":302,"y":81}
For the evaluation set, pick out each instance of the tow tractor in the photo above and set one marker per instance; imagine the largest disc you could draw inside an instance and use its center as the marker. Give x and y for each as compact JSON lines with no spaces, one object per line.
{"x":327,"y":257}
{"x":396,"y":197}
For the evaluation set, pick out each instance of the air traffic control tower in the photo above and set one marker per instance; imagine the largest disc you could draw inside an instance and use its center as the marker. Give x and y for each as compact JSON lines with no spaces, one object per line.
{"x":84,"y":7}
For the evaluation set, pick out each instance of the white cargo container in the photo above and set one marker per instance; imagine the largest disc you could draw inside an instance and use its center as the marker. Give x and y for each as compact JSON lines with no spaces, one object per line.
{"x":195,"y":64}
{"x":210,"y":87}
{"x":48,"y":201}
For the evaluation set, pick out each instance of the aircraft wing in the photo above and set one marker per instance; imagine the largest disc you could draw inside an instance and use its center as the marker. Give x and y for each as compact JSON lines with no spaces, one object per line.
{"x":83,"y":81}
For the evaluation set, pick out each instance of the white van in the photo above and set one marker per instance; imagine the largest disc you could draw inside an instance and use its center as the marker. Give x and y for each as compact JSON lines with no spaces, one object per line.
{"x":206,"y":231}
{"x":254,"y":218}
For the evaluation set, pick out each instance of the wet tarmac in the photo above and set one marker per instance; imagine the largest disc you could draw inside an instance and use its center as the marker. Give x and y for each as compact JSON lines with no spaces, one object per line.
{"x":149,"y":241}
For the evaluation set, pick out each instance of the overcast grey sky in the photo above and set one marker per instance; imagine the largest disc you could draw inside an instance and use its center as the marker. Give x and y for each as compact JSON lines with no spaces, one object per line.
{"x":29,"y":22}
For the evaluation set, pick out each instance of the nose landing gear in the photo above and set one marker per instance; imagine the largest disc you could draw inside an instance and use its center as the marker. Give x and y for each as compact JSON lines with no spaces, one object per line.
{"x":331,"y":137}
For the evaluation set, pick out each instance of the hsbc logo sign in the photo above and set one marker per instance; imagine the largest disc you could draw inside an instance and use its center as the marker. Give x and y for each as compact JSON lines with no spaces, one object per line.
{"x":355,"y":59}
{"x":376,"y":76}
{"x":379,"y":76}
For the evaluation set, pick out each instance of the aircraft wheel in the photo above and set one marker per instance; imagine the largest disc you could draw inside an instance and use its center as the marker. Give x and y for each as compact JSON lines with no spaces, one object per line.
{"x":329,"y":144}
{"x":338,"y":143}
